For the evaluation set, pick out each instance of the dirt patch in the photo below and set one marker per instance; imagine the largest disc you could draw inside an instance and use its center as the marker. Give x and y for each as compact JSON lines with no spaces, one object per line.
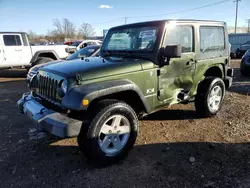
{"x":174,"y":148}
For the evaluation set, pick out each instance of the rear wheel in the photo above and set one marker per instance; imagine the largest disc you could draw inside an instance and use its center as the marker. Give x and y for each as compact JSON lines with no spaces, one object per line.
{"x":242,"y":70}
{"x":109,"y":133}
{"x":42,"y":60}
{"x":210,"y":95}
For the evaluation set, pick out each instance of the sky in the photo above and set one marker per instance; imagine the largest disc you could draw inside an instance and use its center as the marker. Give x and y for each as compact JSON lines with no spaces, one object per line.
{"x":38,"y":15}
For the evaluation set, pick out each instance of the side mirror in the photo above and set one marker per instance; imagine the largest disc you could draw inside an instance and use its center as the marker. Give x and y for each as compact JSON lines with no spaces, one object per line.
{"x":172,"y":51}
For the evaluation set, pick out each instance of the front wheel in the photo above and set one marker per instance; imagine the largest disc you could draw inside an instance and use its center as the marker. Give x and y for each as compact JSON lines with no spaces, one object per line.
{"x":109,"y":133}
{"x":210,"y":95}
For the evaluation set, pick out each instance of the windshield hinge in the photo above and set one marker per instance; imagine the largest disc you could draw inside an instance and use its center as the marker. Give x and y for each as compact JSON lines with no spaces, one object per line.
{"x":158,"y":72}
{"x":78,"y":79}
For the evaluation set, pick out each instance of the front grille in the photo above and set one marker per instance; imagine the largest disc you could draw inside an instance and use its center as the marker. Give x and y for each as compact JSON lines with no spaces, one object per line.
{"x":47,"y":88}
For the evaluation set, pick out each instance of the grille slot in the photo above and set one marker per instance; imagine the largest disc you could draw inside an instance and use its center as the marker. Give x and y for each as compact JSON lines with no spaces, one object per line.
{"x":47,"y":88}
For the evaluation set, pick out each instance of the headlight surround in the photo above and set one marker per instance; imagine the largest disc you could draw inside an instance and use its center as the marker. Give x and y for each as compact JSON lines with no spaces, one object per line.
{"x":32,"y":83}
{"x":64,"y":86}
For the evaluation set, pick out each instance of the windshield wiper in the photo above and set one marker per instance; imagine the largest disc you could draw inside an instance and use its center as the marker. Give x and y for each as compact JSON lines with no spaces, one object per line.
{"x":128,"y":53}
{"x":107,"y":53}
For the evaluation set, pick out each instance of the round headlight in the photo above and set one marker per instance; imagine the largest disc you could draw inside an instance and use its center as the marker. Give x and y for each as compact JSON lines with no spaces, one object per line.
{"x":64,"y":86}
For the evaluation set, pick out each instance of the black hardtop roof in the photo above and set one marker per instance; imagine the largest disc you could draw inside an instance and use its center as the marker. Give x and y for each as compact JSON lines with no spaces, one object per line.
{"x":169,"y":20}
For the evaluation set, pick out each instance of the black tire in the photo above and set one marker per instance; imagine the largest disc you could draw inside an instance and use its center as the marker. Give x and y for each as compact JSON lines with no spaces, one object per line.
{"x":88,"y":137}
{"x":27,"y":68}
{"x":242,"y":71}
{"x":203,"y":94}
{"x":42,"y":60}
{"x":233,"y":55}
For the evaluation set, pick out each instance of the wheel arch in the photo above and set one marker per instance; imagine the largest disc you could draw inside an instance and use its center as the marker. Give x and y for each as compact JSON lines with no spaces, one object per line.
{"x":44,"y":53}
{"x":131,"y":97}
{"x":123,"y":90}
{"x":215,"y":71}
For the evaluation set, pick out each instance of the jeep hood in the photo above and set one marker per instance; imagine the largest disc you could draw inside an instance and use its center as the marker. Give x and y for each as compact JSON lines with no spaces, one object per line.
{"x":37,"y":67}
{"x":96,"y":67}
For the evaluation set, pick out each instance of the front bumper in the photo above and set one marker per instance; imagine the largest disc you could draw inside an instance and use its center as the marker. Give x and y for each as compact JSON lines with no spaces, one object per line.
{"x":48,"y":120}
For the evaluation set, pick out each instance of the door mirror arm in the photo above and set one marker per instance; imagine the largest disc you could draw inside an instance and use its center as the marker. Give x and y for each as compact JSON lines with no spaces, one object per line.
{"x":164,"y":61}
{"x":170,"y":51}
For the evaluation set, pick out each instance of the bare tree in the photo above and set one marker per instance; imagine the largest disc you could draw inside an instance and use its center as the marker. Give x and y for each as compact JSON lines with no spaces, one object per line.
{"x":86,"y":30}
{"x":35,"y":38}
{"x":54,"y":36}
{"x":31,"y":34}
{"x":63,"y":29}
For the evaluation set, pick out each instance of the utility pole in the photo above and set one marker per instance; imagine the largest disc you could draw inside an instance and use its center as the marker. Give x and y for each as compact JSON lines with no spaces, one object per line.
{"x":125,"y":19}
{"x":248,"y":25}
{"x":236,"y":15}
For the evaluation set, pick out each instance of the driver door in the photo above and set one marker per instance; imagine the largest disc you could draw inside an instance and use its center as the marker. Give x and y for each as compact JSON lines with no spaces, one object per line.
{"x":178,"y":75}
{"x":12,"y":49}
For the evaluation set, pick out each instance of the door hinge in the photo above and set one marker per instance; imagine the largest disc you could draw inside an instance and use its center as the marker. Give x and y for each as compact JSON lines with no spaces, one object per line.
{"x":158,"y":72}
{"x":160,"y":92}
{"x":161,"y":71}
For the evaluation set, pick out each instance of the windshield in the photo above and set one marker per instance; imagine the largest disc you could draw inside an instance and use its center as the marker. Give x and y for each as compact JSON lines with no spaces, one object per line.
{"x":131,"y":39}
{"x":76,"y":43}
{"x":84,"y":52}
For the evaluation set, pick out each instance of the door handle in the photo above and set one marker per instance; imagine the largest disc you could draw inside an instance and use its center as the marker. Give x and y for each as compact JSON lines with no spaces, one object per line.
{"x":18,"y":50}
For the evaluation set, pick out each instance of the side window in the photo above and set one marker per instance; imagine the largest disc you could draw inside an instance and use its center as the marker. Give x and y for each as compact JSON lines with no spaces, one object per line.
{"x":12,"y":40}
{"x":183,"y":35}
{"x":212,"y":38}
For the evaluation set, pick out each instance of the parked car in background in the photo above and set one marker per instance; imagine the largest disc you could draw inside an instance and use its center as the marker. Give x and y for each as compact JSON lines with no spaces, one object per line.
{"x":241,"y":50}
{"x":16,"y":51}
{"x":237,"y":39}
{"x":245,"y":64}
{"x":84,"y":52}
{"x":68,"y":43}
{"x":80,"y":44}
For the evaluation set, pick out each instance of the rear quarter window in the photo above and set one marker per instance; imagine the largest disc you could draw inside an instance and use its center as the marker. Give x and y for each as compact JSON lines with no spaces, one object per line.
{"x":212,"y":38}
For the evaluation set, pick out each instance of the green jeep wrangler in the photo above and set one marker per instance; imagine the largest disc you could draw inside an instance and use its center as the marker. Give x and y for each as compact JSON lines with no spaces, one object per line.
{"x":142,"y":67}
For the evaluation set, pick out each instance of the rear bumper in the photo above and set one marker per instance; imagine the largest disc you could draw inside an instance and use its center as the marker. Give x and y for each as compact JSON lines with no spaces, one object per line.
{"x":47,"y":119}
{"x":229,"y":78}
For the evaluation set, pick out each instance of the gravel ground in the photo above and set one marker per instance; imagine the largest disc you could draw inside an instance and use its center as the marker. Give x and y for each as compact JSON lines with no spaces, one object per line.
{"x":174,"y":147}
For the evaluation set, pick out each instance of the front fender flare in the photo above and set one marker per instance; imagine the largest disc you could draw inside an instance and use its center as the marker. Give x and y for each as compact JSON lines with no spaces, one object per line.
{"x":73,"y":98}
